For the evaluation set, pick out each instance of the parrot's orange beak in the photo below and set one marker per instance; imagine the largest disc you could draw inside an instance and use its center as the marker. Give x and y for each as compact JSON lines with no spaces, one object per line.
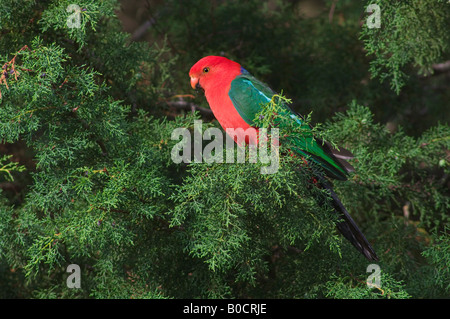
{"x":194,"y":82}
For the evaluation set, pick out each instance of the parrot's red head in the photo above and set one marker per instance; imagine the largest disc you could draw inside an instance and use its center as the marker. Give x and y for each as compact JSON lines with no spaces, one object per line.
{"x":214,"y":75}
{"x":212,"y":71}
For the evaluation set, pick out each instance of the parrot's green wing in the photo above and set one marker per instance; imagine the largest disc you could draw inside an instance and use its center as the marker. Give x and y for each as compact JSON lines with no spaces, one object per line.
{"x":248,"y":96}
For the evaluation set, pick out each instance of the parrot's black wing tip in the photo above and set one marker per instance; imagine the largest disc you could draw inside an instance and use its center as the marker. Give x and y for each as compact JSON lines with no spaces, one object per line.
{"x":357,"y":239}
{"x":370,"y":255}
{"x":348,"y":227}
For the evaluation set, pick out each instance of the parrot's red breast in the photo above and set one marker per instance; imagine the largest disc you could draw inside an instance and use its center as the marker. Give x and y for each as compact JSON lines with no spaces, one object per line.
{"x":214,"y":74}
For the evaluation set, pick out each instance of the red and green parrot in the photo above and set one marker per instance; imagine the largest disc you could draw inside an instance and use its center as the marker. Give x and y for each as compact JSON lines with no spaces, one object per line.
{"x":236,"y":97}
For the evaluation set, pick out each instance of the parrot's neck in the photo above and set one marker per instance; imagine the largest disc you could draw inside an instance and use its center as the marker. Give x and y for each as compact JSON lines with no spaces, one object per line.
{"x":222,"y":106}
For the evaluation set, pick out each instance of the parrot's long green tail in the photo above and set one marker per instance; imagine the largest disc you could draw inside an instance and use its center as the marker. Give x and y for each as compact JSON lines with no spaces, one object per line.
{"x":348,"y":227}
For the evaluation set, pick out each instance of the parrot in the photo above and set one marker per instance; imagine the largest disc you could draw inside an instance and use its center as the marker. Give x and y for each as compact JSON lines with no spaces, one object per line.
{"x":235,"y":97}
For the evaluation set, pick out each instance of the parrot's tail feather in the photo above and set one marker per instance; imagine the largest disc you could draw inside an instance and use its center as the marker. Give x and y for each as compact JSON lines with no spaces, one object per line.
{"x":341,"y":155}
{"x":348,"y":227}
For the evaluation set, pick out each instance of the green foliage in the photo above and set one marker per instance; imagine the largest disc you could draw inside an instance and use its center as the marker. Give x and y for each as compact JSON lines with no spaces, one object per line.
{"x":75,"y":19}
{"x":344,"y":288}
{"x":8,"y":168}
{"x":413,"y":32}
{"x":438,"y":254}
{"x":87,"y":177}
{"x":397,"y":166}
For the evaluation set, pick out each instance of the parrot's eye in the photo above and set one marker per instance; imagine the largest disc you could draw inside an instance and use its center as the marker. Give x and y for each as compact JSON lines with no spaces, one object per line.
{"x":205,"y":70}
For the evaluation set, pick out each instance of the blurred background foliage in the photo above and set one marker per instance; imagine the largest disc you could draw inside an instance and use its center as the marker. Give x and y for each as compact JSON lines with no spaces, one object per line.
{"x":320,"y":53}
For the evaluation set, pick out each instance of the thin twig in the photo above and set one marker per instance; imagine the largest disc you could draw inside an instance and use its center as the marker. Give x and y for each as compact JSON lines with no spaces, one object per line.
{"x":331,"y":13}
{"x":441,"y":67}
